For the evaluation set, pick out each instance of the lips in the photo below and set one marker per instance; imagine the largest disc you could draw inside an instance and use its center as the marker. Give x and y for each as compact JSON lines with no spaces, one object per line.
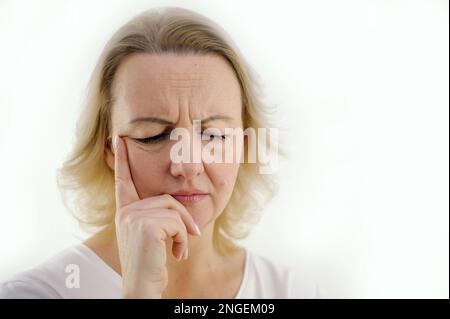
{"x":189,"y":196}
{"x":190,"y":199}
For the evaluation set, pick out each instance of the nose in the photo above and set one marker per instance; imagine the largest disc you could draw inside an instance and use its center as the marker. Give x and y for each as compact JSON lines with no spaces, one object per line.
{"x":189,"y":168}
{"x":186,"y":170}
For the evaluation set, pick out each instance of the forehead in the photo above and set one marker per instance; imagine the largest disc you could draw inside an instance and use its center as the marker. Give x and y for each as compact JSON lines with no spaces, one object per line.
{"x":147,"y":84}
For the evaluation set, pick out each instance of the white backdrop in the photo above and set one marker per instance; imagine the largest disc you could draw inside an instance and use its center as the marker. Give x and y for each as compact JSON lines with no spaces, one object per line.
{"x":363,"y":88}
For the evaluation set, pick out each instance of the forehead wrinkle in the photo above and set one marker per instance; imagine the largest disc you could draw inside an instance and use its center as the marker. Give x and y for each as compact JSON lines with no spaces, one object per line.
{"x":164,"y":91}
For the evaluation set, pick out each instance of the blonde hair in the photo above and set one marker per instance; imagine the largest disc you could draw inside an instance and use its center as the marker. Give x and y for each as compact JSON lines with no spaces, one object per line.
{"x":85,"y":180}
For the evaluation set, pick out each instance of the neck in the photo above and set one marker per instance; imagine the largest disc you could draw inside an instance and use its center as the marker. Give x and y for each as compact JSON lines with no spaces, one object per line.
{"x":203,"y":262}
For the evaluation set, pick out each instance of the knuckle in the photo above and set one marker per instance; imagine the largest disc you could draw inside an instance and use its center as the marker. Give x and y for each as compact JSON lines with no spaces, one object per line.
{"x":152,"y":230}
{"x":175,"y":216}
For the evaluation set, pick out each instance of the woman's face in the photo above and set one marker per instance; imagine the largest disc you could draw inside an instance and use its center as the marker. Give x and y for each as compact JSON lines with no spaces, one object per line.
{"x":154,"y":94}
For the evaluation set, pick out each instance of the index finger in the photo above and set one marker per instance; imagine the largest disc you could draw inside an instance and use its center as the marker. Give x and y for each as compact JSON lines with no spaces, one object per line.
{"x":124,"y":187}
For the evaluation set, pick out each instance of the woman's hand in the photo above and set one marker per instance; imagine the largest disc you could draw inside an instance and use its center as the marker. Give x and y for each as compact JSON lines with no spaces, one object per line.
{"x":142,"y":227}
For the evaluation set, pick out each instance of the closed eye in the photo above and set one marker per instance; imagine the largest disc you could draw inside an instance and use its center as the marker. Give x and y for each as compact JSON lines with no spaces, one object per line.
{"x":165,"y":136}
{"x":153,"y":139}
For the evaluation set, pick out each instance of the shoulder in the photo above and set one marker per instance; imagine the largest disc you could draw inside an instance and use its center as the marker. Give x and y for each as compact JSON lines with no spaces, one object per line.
{"x":40,"y":281}
{"x":72,"y":273}
{"x":21,"y":287}
{"x":274,"y":279}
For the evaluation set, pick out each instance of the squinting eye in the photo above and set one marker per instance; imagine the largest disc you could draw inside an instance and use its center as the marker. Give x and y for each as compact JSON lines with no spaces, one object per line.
{"x":165,"y":136}
{"x":153,"y":139}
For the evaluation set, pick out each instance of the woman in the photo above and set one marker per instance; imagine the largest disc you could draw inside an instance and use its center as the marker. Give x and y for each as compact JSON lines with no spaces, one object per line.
{"x":164,"y":228}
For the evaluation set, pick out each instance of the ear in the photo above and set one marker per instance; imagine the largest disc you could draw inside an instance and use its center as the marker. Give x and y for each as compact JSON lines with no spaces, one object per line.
{"x":109,"y":153}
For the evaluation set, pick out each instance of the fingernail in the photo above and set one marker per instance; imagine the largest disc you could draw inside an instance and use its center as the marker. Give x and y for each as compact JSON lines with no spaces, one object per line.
{"x":115,"y":142}
{"x":186,"y":253}
{"x":197,"y":229}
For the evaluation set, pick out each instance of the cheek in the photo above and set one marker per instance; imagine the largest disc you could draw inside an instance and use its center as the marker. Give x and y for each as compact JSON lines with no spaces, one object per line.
{"x":147,"y":169}
{"x":223,"y":176}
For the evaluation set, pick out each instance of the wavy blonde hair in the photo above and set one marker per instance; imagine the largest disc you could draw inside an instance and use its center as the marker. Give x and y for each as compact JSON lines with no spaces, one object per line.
{"x":85,"y":180}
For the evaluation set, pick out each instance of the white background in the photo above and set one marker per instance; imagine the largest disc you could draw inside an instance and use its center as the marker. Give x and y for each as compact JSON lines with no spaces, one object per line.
{"x":363,"y":89}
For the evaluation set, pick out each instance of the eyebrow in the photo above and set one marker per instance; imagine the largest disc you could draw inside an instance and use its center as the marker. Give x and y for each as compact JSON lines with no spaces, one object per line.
{"x":158,"y":120}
